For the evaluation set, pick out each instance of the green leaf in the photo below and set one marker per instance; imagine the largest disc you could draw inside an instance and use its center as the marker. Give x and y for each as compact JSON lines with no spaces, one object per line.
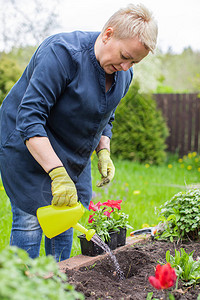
{"x":149,"y":296}
{"x":168,"y":256}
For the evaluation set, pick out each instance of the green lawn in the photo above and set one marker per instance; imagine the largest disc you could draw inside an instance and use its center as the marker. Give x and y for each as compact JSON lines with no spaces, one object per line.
{"x":142,"y":188}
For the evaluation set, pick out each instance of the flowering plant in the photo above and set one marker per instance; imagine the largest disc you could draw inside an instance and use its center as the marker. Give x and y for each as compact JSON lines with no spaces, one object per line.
{"x":107,"y":217}
{"x":165,"y":277}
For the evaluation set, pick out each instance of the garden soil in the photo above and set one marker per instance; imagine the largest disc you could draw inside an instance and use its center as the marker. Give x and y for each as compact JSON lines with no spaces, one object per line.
{"x":138,"y":262}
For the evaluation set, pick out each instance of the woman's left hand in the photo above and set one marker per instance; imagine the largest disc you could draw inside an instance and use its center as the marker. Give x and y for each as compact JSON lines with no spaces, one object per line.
{"x":106,"y":167}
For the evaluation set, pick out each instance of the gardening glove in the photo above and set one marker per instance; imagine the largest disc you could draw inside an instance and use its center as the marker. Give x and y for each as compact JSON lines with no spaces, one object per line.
{"x":105,"y":166}
{"x":63,"y":189}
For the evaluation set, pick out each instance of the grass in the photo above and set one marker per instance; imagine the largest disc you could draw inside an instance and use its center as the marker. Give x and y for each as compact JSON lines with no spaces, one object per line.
{"x":5,"y":219}
{"x":142,"y":188}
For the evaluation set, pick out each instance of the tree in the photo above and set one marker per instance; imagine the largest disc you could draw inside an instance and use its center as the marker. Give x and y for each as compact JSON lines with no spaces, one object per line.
{"x":26,"y":22}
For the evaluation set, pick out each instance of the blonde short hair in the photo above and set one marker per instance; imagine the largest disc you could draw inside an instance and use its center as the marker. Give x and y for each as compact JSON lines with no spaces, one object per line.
{"x":134,"y":20}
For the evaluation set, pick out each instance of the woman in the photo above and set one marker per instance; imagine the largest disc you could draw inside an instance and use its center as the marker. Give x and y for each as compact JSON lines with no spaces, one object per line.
{"x":59,"y":112}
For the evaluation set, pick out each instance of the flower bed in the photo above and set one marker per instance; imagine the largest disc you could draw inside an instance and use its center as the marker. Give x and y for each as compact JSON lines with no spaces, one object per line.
{"x":174,"y":254}
{"x":99,"y":281}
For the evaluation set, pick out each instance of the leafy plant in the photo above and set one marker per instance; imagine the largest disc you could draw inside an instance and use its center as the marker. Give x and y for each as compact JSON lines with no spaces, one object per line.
{"x":107,"y":218}
{"x":180,"y":216}
{"x":24,"y":278}
{"x":139,"y":130}
{"x":121,"y":219}
{"x":187,"y":269}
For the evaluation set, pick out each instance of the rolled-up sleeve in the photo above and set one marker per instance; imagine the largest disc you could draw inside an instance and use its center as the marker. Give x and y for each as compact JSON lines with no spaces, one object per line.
{"x":50,"y":75}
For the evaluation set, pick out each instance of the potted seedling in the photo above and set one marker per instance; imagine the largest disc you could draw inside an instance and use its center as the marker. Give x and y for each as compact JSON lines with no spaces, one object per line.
{"x":109,"y":223}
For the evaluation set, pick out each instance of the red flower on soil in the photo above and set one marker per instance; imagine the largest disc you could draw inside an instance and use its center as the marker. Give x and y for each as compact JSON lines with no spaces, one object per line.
{"x":108,"y":213}
{"x":113,"y":204}
{"x":165,"y":277}
{"x":95,"y":207}
{"x":90,"y":220}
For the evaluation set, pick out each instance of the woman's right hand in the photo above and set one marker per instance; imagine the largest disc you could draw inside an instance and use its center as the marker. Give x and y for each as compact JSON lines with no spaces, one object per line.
{"x":63,"y":188}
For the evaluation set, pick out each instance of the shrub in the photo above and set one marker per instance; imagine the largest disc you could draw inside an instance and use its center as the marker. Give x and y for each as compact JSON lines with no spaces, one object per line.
{"x":24,"y":278}
{"x":181,"y":216}
{"x":9,"y":74}
{"x":139,"y":130}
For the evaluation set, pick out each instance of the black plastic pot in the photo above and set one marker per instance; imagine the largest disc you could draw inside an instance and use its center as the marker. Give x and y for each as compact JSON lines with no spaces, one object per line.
{"x":121,"y":237}
{"x":89,"y":248}
{"x":112,"y":242}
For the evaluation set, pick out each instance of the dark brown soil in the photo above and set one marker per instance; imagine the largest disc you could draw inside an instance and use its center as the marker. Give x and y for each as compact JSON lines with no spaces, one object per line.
{"x":138,"y":262}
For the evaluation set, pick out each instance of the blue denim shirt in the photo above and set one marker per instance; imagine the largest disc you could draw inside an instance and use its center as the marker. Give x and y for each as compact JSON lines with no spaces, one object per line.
{"x":61,"y":95}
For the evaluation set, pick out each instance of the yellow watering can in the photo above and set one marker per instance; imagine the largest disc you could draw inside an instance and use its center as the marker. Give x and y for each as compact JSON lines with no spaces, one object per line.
{"x":55,"y":220}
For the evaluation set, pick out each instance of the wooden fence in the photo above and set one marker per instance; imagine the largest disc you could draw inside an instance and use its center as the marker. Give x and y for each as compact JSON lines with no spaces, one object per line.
{"x":182,"y":113}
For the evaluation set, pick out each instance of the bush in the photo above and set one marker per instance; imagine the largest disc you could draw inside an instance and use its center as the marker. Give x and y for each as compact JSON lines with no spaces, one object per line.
{"x":139,"y":130}
{"x":24,"y":278}
{"x":9,"y":74}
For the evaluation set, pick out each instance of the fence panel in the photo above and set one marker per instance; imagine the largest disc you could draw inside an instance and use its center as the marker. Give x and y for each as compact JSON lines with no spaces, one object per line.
{"x":182,"y":114}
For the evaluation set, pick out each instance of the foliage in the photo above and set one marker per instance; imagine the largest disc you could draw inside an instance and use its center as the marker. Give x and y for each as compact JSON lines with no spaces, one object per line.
{"x":9,"y":74}
{"x":107,"y":218}
{"x":150,"y":295}
{"x":196,"y":82}
{"x":139,"y":130}
{"x":181,"y":215}
{"x":179,"y":72}
{"x":162,"y":88}
{"x":21,"y":55}
{"x":187,"y":269}
{"x":24,"y":278}
{"x":121,"y":219}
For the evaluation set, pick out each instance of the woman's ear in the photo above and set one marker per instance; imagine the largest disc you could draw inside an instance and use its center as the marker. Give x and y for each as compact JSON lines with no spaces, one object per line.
{"x":108,"y":33}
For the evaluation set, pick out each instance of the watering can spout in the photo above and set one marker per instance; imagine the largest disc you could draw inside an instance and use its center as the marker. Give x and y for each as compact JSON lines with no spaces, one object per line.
{"x":88,"y":233}
{"x":55,"y":220}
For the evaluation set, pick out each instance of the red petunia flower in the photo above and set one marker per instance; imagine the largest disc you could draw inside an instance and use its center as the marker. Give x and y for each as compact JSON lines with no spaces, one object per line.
{"x":108,"y":213}
{"x":95,"y":207}
{"x":90,"y":220}
{"x":165,"y":277}
{"x":113,"y":204}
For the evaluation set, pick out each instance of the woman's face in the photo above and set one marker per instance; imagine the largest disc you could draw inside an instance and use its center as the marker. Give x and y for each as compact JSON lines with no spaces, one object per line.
{"x":118,"y":54}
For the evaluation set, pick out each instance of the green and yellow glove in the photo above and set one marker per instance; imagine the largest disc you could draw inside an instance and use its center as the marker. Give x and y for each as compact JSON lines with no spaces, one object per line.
{"x":63,"y":188}
{"x":105,"y":166}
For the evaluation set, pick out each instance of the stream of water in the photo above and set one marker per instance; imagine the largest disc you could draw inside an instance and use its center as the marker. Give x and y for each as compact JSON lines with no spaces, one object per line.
{"x":97,"y":240}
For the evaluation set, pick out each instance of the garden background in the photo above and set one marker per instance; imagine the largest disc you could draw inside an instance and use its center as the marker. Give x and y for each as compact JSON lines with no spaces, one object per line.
{"x":147,"y":174}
